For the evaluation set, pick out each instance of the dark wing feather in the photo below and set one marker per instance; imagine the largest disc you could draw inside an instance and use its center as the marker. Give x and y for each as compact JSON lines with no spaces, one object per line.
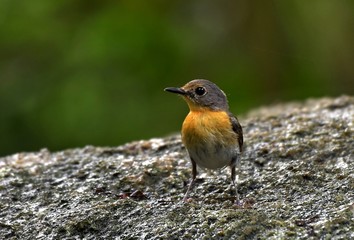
{"x":237,"y":129}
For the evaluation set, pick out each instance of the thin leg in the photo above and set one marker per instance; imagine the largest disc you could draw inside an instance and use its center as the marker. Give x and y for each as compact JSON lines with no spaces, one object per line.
{"x":194,"y":176}
{"x":233,"y":177}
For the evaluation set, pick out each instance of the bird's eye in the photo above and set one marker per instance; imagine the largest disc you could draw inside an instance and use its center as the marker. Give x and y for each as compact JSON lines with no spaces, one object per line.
{"x":200,"y":91}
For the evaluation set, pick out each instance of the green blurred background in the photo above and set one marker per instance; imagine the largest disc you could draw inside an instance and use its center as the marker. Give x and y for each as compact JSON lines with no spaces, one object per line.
{"x":81,"y":72}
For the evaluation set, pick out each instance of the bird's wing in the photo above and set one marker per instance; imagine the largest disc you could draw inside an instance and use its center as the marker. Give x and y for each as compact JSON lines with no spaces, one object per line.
{"x":237,"y":129}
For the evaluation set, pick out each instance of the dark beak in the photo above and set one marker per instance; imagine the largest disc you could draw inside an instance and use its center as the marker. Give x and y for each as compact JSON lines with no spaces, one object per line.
{"x":175,"y":90}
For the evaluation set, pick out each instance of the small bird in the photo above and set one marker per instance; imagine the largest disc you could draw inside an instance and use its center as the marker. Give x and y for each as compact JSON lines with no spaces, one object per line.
{"x":211,"y":134}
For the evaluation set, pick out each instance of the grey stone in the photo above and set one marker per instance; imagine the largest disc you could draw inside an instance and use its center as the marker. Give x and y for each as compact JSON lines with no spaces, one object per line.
{"x":296,"y":181}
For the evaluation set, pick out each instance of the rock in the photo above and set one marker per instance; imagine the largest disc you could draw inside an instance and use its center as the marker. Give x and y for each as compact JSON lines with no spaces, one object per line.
{"x":296,"y":181}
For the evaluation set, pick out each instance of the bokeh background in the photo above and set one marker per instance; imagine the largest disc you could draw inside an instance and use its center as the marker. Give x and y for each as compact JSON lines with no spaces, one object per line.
{"x":79,"y":72}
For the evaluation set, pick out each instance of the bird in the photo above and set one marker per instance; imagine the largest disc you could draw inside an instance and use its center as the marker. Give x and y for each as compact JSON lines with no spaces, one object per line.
{"x":211,"y":134}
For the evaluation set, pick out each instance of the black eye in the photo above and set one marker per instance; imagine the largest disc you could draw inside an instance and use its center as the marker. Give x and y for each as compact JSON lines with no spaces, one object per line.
{"x":200,"y":91}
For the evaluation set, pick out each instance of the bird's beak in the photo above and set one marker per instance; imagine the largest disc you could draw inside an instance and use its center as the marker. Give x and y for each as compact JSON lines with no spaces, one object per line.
{"x":175,"y":90}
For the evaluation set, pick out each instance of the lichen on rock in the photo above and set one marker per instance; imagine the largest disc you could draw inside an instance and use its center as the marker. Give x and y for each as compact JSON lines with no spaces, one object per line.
{"x":296,"y":181}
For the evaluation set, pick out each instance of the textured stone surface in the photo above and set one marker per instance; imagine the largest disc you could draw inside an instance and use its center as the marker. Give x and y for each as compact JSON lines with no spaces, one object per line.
{"x":296,"y":181}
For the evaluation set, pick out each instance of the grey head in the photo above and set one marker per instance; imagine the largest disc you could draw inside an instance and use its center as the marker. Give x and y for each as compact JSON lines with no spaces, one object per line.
{"x":201,"y":93}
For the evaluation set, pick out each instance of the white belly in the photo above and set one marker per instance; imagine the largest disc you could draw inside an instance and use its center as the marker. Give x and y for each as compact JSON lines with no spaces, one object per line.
{"x":213,"y":157}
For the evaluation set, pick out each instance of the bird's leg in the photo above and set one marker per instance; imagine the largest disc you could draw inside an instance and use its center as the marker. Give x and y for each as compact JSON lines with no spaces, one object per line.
{"x":234,"y":179}
{"x":194,"y":176}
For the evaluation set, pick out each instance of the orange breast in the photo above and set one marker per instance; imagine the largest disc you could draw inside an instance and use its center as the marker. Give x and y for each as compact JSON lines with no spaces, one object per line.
{"x":207,"y":127}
